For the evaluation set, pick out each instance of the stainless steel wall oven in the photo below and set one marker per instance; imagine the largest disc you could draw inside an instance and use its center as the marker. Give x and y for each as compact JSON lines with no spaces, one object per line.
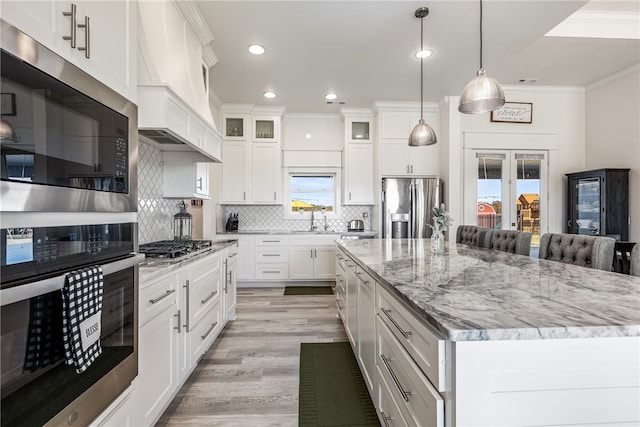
{"x":68,"y":188}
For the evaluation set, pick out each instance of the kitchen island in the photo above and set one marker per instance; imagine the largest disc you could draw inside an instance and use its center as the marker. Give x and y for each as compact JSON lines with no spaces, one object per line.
{"x":524,"y":341}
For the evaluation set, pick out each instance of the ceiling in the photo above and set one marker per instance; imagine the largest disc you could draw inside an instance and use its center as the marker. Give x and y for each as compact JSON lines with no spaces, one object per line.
{"x":364,"y":50}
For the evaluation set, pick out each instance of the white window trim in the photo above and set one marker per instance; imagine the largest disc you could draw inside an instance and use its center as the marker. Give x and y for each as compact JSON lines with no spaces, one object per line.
{"x":313,"y":171}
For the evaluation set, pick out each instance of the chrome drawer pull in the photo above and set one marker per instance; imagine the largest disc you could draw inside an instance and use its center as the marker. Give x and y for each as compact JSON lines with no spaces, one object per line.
{"x":404,"y":333}
{"x":233,"y":254}
{"x":72,"y":36}
{"x":160,"y":298}
{"x":271,"y":241}
{"x":213,"y":294}
{"x":385,"y":419}
{"x":405,"y":394}
{"x":270,"y":254}
{"x":338,"y":304}
{"x":211,"y":328}
{"x":271,"y":271}
{"x":87,"y":38}
{"x":179,"y":327}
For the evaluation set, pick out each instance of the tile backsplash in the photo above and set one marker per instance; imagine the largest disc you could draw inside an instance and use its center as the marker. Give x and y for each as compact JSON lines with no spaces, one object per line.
{"x":155,"y":214}
{"x":270,"y":217}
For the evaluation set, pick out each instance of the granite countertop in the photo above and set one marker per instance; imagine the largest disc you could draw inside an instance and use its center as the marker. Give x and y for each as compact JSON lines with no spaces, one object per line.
{"x":472,"y":294}
{"x":152,"y":268}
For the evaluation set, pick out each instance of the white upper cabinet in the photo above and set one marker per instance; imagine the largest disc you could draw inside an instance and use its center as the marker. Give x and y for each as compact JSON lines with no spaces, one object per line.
{"x":396,"y":157}
{"x":266,"y":187}
{"x":358,"y":174}
{"x":235,"y":172}
{"x":236,"y":126}
{"x":358,"y":130}
{"x":103,"y":34}
{"x":183,"y":177}
{"x":266,"y":129}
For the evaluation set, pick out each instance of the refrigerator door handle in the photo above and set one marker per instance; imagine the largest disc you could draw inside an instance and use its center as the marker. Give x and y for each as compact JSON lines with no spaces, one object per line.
{"x":412,"y":216}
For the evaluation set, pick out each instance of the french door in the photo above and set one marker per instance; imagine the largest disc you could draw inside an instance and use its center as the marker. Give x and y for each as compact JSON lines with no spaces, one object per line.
{"x":507,"y":189}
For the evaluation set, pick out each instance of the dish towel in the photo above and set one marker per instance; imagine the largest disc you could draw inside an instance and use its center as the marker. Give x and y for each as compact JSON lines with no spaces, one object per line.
{"x":81,"y":312}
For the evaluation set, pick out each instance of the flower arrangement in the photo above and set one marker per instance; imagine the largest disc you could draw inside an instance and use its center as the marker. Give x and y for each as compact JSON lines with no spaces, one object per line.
{"x":441,"y":221}
{"x":441,"y":218}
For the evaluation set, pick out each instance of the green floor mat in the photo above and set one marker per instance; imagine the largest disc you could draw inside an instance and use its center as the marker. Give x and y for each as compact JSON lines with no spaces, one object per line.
{"x":308,"y":290}
{"x":332,"y":391}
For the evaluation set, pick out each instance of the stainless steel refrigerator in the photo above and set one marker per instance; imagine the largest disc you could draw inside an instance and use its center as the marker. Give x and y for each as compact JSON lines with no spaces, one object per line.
{"x":406,"y":206}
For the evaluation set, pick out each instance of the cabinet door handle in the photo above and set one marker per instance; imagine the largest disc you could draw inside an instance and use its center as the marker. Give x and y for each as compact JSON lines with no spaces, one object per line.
{"x":405,"y":394}
{"x":386,"y":419}
{"x":186,"y":293}
{"x":407,"y":168}
{"x":211,"y":328}
{"x":233,"y":254}
{"x":213,"y":294}
{"x":87,"y":37}
{"x":404,"y":333}
{"x":160,"y":298}
{"x":244,"y":195}
{"x":72,"y":36}
{"x":199,"y":181}
{"x":274,"y":196}
{"x":179,"y":327}
{"x":349,"y":195}
{"x":411,"y":168}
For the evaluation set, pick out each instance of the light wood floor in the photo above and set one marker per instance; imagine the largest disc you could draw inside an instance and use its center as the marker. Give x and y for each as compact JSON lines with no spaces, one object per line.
{"x":249,"y":377}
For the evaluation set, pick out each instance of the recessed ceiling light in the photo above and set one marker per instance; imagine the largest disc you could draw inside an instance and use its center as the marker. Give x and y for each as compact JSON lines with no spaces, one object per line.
{"x":330,"y":96}
{"x":256,"y":49}
{"x":269,"y":95}
{"x":424,"y":53}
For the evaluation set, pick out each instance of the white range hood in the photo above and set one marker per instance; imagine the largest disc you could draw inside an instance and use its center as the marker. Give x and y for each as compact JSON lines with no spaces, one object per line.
{"x":173,"y":104}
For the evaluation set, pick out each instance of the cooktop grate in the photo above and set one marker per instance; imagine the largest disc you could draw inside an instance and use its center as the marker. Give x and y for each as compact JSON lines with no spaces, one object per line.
{"x":172,"y":248}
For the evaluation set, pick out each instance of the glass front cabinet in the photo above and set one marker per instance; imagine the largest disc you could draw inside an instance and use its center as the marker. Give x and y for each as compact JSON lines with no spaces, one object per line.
{"x":599,"y":203}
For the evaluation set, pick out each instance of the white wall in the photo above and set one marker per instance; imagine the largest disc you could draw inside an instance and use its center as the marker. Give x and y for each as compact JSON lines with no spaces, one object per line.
{"x":558,"y":122}
{"x":613,"y":133}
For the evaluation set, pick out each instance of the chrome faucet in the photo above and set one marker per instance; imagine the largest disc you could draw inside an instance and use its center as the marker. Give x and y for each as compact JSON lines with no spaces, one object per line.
{"x":313,"y":226}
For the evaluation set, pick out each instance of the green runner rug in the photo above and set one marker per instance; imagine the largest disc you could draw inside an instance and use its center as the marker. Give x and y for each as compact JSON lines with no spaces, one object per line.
{"x":308,"y":290}
{"x":332,"y":391}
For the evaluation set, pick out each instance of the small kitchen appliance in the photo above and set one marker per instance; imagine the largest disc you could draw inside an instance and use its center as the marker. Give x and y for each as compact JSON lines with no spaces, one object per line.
{"x":355,"y":225}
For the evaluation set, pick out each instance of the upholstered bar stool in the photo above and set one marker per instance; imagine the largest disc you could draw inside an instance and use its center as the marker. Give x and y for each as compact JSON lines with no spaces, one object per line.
{"x":635,"y":260}
{"x":471,"y":235}
{"x":512,"y":241}
{"x":587,"y":251}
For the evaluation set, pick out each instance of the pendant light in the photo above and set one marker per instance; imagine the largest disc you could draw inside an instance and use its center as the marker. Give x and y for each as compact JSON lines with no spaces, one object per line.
{"x":483,"y":93}
{"x":422,"y":134}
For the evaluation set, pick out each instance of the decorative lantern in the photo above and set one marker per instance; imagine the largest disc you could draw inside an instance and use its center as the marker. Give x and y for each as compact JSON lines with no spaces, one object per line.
{"x":182,"y":223}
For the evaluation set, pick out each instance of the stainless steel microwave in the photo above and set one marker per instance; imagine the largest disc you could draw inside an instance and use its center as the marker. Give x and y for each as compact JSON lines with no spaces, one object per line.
{"x":68,"y":142}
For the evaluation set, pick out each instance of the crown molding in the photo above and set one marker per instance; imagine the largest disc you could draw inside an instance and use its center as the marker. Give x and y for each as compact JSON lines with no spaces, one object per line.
{"x":635,"y":69}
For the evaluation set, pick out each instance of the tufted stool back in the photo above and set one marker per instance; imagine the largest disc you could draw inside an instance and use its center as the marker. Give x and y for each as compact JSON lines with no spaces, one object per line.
{"x":635,"y":260}
{"x":470,"y":235}
{"x":512,"y":241}
{"x":587,"y":251}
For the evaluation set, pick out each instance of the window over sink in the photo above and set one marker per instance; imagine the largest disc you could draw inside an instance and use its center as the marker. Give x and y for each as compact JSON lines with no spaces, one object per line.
{"x":312,"y":190}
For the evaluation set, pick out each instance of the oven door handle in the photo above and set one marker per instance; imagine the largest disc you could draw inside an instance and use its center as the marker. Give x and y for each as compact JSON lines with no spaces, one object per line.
{"x":40,"y":287}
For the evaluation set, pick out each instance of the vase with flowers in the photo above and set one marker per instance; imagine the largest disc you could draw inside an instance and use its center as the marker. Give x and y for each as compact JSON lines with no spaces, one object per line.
{"x":441,"y":221}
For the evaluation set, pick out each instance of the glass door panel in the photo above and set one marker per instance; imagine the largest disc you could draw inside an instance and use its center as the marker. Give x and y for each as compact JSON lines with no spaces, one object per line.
{"x":528,"y":189}
{"x":490,"y":180}
{"x":588,"y":206}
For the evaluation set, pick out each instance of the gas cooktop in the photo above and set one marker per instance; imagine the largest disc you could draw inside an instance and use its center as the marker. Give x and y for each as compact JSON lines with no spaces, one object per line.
{"x":172,"y":248}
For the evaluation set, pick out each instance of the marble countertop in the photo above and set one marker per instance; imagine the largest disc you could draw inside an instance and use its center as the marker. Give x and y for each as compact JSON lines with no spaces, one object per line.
{"x":472,"y":294}
{"x":152,"y":268}
{"x":298,"y":232}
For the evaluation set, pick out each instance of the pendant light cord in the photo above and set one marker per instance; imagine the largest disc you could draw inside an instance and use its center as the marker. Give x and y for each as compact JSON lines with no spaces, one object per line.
{"x":481,"y":34}
{"x":421,"y":65}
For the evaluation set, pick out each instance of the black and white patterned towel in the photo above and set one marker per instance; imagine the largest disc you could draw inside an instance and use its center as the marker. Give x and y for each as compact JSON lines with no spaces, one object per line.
{"x":81,"y":311}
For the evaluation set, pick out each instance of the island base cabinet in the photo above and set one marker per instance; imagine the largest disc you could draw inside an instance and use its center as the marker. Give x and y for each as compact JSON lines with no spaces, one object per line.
{"x":388,"y":410}
{"x":419,"y":402}
{"x":578,"y":381}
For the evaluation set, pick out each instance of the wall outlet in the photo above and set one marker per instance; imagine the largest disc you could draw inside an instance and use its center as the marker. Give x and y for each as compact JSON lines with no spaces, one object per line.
{"x":365,"y":215}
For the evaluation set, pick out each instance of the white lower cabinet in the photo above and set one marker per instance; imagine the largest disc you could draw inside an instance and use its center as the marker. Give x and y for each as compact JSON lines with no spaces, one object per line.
{"x":311,"y":258}
{"x":229,"y":280}
{"x":180,"y":317}
{"x":246,"y":258}
{"x":366,"y":337}
{"x":388,"y":409}
{"x":272,"y":257}
{"x":158,"y":347}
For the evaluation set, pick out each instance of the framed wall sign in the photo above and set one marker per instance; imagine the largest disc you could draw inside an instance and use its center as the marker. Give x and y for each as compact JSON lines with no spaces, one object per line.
{"x":513,"y":112}
{"x":8,"y":104}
